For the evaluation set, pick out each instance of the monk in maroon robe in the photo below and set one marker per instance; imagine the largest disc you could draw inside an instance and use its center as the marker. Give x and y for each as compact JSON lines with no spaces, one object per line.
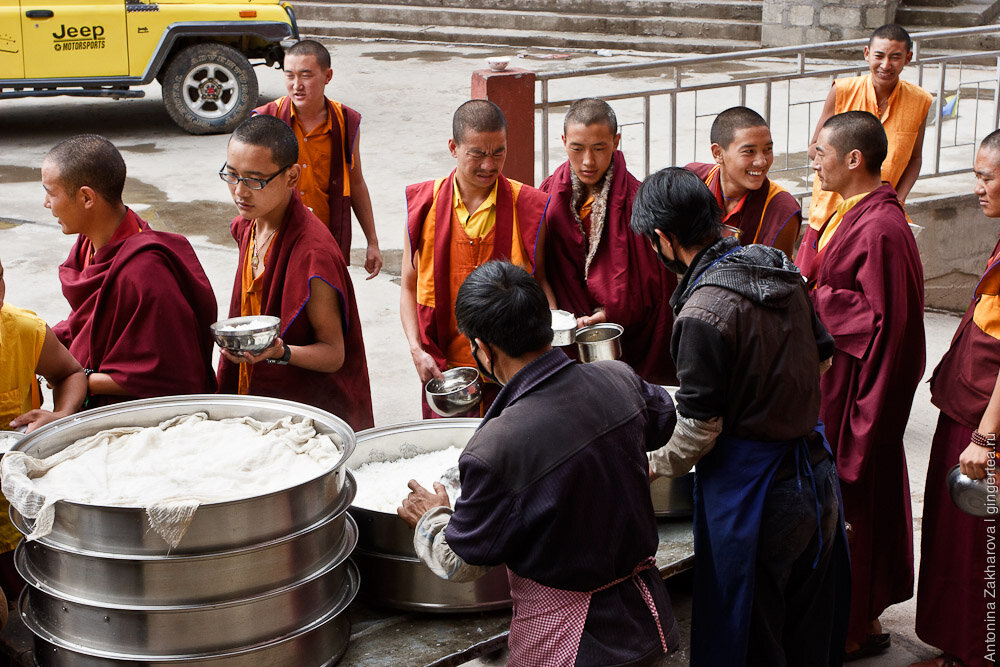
{"x":141,"y":302}
{"x":762,"y":211}
{"x":866,"y":283}
{"x":292,"y":268}
{"x":954,"y":601}
{"x":599,"y":270}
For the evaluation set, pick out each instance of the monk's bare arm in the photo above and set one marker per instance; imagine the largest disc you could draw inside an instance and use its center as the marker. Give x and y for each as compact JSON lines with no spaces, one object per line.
{"x":361,"y":202}
{"x":828,"y":108}
{"x":540,"y":268}
{"x":69,"y":384}
{"x":975,"y":460}
{"x":102,"y":384}
{"x":423,"y":362}
{"x":912,"y":171}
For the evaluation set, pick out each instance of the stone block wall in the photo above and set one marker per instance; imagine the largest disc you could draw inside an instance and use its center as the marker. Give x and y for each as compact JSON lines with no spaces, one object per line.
{"x":955,"y":243}
{"x":795,"y":22}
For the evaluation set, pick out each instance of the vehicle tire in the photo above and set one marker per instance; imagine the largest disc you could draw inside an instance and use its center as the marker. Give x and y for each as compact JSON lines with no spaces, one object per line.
{"x":209,"y":88}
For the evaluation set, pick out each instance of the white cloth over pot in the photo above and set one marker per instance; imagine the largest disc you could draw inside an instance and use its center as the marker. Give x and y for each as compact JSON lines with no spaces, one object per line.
{"x":170,"y":469}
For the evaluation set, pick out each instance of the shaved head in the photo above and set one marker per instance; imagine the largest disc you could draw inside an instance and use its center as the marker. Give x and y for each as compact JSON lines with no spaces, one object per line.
{"x":89,"y":160}
{"x":731,"y":121}
{"x":591,"y":111}
{"x":477,"y":116}
{"x":894,"y":33}
{"x":861,"y":131}
{"x":309,"y":47}
{"x":991,"y":142}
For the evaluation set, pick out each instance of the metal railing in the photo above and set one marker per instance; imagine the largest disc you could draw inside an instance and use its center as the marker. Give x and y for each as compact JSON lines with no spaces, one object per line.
{"x":785,"y":85}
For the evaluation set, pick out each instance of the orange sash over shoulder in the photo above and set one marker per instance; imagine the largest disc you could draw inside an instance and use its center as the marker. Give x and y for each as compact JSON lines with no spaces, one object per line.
{"x":904,"y":115}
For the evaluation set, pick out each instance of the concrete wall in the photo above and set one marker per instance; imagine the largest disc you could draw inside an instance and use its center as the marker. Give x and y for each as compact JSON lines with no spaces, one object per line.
{"x":794,"y":22}
{"x":955,"y":243}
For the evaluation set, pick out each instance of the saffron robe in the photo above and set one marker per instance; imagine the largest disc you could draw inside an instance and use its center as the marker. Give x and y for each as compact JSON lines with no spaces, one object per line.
{"x":952,"y":611}
{"x":768,"y":215}
{"x":344,"y":126}
{"x":905,"y":113}
{"x":621,"y":274}
{"x":520,"y":214}
{"x":302,"y":249}
{"x":867,"y":287}
{"x":141,"y":312}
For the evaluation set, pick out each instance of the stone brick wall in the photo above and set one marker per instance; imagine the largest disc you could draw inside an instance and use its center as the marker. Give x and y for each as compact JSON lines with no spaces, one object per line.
{"x":794,"y":22}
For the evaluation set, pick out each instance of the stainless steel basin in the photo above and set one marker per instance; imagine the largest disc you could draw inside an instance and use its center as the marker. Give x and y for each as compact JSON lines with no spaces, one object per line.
{"x":319,"y":643}
{"x":392,"y":574}
{"x":192,"y":578}
{"x":216,"y":526}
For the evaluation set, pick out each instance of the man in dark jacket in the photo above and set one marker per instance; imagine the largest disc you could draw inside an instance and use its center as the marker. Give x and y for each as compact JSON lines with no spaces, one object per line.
{"x":770,"y":555}
{"x":554,"y":486}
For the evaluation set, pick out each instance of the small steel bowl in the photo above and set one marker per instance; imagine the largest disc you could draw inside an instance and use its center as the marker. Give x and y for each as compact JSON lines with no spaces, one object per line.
{"x":246,"y":334}
{"x":599,"y":342}
{"x":563,"y":335}
{"x":972,"y":496}
{"x":458,"y":391}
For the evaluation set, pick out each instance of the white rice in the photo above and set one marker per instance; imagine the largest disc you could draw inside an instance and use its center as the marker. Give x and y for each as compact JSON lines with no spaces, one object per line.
{"x":561,"y":320}
{"x":382,"y":485}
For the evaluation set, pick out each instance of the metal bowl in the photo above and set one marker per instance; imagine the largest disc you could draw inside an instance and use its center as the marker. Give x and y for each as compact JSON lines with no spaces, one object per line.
{"x":321,"y":642}
{"x":246,"y":334}
{"x":599,"y":342}
{"x":394,"y":574}
{"x":972,"y":496}
{"x":215,"y":526}
{"x":191,"y":579}
{"x":457,"y":392}
{"x":562,"y":333}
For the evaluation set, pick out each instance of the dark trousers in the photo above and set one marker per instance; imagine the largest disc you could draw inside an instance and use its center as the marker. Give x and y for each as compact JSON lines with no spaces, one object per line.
{"x":793,"y":605}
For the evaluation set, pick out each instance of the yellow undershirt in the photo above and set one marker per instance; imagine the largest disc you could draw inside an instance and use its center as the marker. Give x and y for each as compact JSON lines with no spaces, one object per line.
{"x":838,"y":217}
{"x":479,"y":224}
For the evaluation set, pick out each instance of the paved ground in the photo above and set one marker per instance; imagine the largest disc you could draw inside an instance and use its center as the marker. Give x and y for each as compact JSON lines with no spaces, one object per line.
{"x":407,"y":94}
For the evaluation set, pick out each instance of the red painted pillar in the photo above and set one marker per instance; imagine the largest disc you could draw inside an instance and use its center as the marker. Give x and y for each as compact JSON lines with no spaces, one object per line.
{"x":513,"y":90}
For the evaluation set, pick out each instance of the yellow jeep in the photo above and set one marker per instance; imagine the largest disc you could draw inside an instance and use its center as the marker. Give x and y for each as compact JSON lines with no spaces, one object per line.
{"x":199,"y":52}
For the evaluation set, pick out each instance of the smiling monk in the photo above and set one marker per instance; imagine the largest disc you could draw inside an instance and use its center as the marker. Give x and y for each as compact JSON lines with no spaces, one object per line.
{"x":290,"y":267}
{"x":598,"y":268}
{"x":457,"y":223}
{"x":900,"y":105}
{"x":763,"y":211}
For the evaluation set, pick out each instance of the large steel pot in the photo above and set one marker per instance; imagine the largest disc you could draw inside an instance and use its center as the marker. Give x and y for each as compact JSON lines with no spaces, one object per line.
{"x":194,"y":578}
{"x":216,"y":526}
{"x":391,"y":571}
{"x":319,"y":643}
{"x":673,"y":497}
{"x":181,"y":629}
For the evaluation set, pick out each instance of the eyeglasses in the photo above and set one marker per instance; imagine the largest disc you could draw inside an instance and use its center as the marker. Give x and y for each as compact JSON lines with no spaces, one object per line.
{"x":252,"y":183}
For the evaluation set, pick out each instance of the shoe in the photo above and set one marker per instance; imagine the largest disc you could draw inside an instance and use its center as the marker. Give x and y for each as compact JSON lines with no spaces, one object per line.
{"x":874,"y":644}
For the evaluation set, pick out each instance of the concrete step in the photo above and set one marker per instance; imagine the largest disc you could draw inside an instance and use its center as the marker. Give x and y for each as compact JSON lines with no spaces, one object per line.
{"x":521,"y":38}
{"x":734,"y":10}
{"x":540,"y":21}
{"x":943,"y":17}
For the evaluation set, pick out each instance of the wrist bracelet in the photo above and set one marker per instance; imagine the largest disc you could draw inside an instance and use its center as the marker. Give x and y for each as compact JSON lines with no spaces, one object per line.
{"x":982,"y":440}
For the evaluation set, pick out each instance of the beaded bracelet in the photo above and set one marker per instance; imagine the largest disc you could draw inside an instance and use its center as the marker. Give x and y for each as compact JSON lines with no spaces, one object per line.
{"x":982,"y":440}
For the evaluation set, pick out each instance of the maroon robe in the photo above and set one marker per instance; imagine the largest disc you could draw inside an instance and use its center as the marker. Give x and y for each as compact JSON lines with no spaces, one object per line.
{"x":765,"y":217}
{"x":868,"y":289}
{"x":624,"y":277}
{"x":302,"y":249}
{"x":952,"y":609}
{"x":343,"y":143}
{"x":141,"y":313}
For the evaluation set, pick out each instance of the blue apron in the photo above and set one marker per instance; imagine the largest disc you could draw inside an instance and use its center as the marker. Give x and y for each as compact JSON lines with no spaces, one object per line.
{"x":732,"y":482}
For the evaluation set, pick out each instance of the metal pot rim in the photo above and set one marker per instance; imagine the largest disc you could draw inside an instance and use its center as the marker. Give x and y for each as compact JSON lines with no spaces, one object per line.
{"x":199,"y":403}
{"x":344,"y":502}
{"x":351,"y":535}
{"x":339,"y":606}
